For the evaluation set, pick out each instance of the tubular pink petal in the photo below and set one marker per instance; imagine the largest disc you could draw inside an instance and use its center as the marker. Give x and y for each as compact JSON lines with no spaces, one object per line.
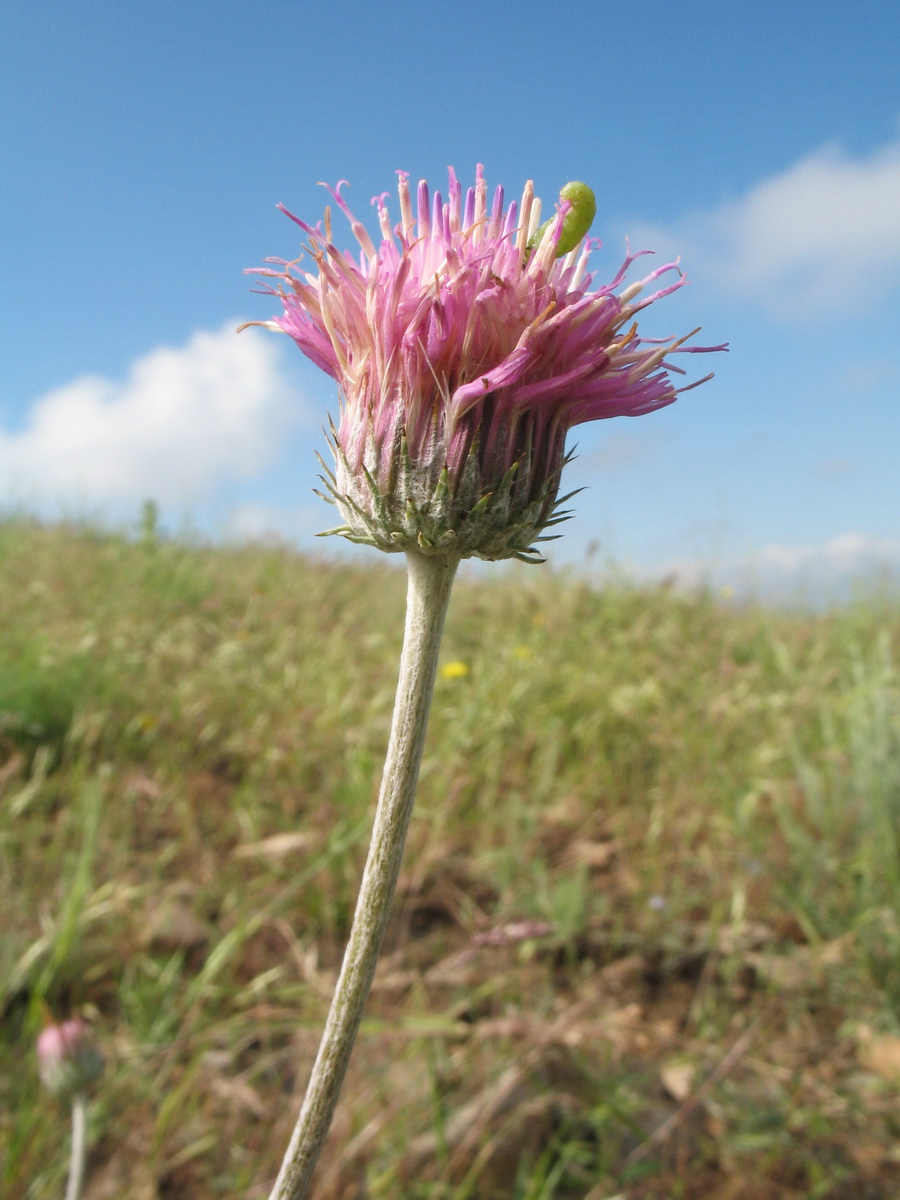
{"x":423,"y":209}
{"x":510,"y":224}
{"x":384,"y":217}
{"x":508,"y":372}
{"x":525,"y":216}
{"x":437,"y":217}
{"x":468,"y":221}
{"x":335,"y":193}
{"x":313,"y":233}
{"x":529,"y":394}
{"x":688,"y":387}
{"x":480,"y":212}
{"x":406,"y":214}
{"x":496,"y":221}
{"x":454,"y":198}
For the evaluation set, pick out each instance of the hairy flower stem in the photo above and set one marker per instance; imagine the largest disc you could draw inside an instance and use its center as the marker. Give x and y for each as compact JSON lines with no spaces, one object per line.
{"x":79,"y":1146}
{"x":430,"y":582}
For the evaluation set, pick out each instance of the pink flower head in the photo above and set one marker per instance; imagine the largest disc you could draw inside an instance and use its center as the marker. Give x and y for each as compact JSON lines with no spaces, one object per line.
{"x":68,"y":1058}
{"x":466,"y":344}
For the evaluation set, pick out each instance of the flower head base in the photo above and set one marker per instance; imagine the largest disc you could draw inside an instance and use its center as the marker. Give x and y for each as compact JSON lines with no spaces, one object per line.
{"x":68,"y":1058}
{"x":466,"y":345}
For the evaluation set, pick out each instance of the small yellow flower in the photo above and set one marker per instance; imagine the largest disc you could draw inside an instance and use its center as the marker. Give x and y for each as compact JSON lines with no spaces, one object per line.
{"x":455,"y":669}
{"x":523,"y":653}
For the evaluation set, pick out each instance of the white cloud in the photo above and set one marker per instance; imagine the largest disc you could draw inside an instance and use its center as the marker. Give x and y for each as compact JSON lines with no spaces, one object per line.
{"x":260,"y":522}
{"x":184,"y":421}
{"x":814,"y":574}
{"x":821,"y":237}
{"x":846,"y":554}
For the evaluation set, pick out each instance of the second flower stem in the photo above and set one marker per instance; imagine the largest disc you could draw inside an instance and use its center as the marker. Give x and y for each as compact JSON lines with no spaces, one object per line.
{"x":79,"y":1146}
{"x":428,"y":595}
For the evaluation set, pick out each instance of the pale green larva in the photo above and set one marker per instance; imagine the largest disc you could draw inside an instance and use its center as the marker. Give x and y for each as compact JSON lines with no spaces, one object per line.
{"x":576,"y":222}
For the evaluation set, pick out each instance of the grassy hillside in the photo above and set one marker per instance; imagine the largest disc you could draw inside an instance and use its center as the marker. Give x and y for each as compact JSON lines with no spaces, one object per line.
{"x":646,"y":944}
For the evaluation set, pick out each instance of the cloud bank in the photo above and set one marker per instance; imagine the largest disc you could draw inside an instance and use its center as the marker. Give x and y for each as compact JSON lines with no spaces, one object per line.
{"x":812,"y":574}
{"x":183,"y":422}
{"x":820,"y":238}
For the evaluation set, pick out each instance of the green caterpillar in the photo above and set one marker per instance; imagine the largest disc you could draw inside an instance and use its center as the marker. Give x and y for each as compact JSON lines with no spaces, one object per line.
{"x":576,"y":222}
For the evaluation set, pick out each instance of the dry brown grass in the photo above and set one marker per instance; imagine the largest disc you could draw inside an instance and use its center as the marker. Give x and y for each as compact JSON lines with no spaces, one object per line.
{"x":646,"y":942}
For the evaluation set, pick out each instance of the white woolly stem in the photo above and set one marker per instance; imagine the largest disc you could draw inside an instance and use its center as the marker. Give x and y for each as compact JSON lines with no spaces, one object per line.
{"x":430,"y":581}
{"x":79,"y":1146}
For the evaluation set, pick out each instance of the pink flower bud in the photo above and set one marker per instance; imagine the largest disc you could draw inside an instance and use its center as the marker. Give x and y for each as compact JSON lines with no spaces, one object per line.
{"x":68,"y":1058}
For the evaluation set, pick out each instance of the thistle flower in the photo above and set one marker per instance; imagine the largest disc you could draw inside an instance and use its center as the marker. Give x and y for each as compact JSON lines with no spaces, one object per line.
{"x":466,"y":345}
{"x":68,"y":1058}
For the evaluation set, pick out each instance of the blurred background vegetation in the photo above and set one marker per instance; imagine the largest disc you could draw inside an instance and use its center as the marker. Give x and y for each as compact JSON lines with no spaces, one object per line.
{"x":646,"y":943}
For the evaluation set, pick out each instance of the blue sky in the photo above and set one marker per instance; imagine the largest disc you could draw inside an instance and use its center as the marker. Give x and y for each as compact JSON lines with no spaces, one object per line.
{"x":144,"y":147}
